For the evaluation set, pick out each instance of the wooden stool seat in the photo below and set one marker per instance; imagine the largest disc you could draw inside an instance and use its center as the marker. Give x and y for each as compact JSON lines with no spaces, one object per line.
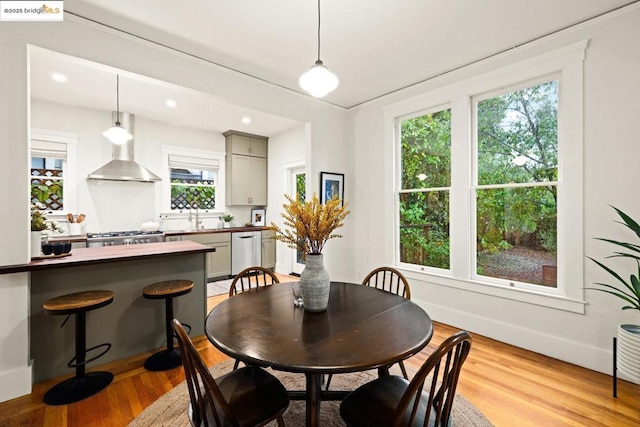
{"x":79,"y":301}
{"x":83,"y":384}
{"x":168,"y":288}
{"x":168,"y":358}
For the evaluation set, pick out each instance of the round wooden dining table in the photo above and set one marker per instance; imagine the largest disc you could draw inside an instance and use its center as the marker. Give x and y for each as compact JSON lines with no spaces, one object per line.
{"x":363,"y":328}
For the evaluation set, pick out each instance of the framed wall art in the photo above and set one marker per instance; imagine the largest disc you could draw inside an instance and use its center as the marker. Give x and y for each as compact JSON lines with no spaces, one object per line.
{"x":331,"y":185}
{"x":257,"y":217}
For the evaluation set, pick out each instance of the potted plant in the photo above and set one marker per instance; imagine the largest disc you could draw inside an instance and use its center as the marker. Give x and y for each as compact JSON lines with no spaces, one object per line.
{"x":629,"y":292}
{"x":39,"y":224}
{"x":227,"y":218}
{"x":310,"y":225}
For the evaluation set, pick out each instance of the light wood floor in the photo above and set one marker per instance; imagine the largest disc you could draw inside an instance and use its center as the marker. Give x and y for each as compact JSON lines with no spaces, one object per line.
{"x":511,"y":386}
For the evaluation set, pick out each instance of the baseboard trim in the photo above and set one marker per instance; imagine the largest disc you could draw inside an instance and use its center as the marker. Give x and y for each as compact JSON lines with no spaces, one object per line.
{"x":15,"y":383}
{"x":586,"y":356}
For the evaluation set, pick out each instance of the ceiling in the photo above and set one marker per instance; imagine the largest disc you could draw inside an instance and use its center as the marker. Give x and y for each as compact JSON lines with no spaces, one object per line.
{"x":375,"y":47}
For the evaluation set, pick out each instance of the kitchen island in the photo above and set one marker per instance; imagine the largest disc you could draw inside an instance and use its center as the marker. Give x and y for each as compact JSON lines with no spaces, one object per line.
{"x":132,"y":324}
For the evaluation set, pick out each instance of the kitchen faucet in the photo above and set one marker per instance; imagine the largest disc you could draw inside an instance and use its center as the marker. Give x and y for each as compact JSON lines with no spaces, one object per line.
{"x":198,"y":222}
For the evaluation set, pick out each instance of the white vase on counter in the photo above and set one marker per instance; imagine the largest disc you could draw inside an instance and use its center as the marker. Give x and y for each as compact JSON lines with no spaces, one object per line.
{"x":36,"y":243}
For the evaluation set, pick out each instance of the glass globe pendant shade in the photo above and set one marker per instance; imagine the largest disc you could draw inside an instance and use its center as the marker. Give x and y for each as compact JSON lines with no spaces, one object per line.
{"x":318,"y":80}
{"x":117,"y":134}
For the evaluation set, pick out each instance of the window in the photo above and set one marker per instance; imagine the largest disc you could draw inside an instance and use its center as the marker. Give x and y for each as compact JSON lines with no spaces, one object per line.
{"x":47,"y":182}
{"x":425,"y":186}
{"x":488,"y":194}
{"x":195,"y":180}
{"x":52,"y":171}
{"x":516,"y":189}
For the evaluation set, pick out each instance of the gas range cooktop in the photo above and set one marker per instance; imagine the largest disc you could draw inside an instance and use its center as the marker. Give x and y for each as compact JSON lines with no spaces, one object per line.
{"x":122,"y":234}
{"x":117,"y":238}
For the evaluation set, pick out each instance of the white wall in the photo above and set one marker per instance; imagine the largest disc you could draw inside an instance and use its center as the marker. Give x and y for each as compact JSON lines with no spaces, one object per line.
{"x":90,"y":41}
{"x":611,"y":88}
{"x":110,"y":205}
{"x":286,"y":151}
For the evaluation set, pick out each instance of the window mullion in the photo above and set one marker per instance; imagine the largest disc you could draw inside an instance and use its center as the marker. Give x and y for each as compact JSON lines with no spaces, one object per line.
{"x":460,"y":198}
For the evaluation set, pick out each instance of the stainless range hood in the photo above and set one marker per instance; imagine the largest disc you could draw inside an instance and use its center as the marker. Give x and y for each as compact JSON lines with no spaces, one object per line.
{"x":123,"y":167}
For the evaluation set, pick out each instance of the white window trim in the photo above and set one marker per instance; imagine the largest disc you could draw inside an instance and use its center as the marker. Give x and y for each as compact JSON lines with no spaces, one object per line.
{"x":168,"y":150}
{"x":566,"y":62}
{"x":69,"y":191}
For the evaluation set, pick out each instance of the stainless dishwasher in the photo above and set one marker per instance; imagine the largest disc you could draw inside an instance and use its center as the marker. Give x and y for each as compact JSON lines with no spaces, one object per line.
{"x":246,"y":250}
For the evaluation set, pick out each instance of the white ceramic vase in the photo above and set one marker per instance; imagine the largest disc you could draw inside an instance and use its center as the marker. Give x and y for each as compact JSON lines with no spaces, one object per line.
{"x":629,"y":352}
{"x":36,"y":243}
{"x":315,"y":283}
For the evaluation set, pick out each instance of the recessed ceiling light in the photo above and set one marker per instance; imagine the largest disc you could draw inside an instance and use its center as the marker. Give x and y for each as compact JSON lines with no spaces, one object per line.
{"x":171,"y":103}
{"x":59,"y":77}
{"x":246,"y":120}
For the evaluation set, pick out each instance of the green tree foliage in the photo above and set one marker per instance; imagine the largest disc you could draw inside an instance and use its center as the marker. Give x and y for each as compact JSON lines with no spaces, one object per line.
{"x":198,"y":196}
{"x":301,"y":186}
{"x":426,"y":166}
{"x":517,"y":143}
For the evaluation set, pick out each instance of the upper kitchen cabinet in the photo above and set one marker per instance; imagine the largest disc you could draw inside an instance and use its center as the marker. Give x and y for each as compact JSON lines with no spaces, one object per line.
{"x":246,"y":166}
{"x":246,"y":144}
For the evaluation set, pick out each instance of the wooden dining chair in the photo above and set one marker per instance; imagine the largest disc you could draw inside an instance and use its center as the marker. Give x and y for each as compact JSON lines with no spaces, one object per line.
{"x":252,"y":277}
{"x":249,"y":396}
{"x":392,"y":401}
{"x":388,"y":279}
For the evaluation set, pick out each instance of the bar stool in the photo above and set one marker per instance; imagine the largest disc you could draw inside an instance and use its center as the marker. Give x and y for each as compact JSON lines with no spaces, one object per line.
{"x":167,"y":290}
{"x":82,"y":385}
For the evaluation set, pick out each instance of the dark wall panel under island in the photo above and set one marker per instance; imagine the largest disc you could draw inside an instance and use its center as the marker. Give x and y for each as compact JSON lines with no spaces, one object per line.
{"x":132,"y":324}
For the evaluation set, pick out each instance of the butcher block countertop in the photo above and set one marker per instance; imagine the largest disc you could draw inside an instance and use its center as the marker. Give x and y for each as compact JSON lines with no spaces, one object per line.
{"x":100,"y":255}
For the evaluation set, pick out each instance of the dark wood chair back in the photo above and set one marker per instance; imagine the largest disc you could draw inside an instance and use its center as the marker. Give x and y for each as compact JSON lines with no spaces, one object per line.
{"x":426,"y":400}
{"x":247,"y":397}
{"x":250,"y":278}
{"x":204,"y":394}
{"x":390,"y":280}
{"x":442,"y":369}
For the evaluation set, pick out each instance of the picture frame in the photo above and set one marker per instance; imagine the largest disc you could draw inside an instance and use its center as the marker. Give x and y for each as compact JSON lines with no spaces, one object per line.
{"x":258,"y":217}
{"x":331,"y":184}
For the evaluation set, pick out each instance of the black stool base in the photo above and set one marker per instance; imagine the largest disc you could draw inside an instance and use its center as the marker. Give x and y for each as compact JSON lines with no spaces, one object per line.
{"x":75,"y":389}
{"x":163,"y":360}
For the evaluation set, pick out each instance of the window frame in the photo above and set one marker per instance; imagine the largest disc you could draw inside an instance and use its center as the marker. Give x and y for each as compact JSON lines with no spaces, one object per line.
{"x":475,"y":99}
{"x":38,"y":138}
{"x":567,"y":64}
{"x":206,"y":155}
{"x":400,"y":190}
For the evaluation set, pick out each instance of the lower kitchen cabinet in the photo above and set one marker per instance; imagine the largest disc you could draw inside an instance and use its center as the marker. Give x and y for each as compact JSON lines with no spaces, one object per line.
{"x":268,"y":249}
{"x":218,"y":261}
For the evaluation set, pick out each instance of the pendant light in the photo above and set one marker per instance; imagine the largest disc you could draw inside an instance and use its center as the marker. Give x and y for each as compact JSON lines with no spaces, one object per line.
{"x":116,"y":133}
{"x":318,"y":80}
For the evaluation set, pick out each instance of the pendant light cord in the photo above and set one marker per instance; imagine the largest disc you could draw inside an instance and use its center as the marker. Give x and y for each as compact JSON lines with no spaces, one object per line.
{"x":117,"y":99}
{"x":318,"y":30}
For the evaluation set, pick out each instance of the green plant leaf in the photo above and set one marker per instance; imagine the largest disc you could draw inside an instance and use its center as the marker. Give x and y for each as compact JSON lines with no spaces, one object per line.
{"x":616,"y":292}
{"x":613,"y":273}
{"x":629,"y":246}
{"x":628,"y":221}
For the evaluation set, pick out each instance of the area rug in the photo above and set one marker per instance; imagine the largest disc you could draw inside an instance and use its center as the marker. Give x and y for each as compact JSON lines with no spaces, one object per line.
{"x":171,"y":409}
{"x":219,"y":287}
